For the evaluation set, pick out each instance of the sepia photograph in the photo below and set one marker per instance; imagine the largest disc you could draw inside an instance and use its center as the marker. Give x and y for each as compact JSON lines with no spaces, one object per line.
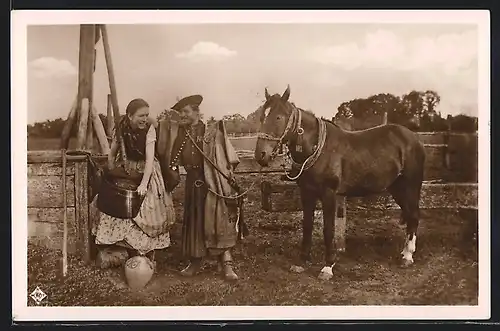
{"x":234,"y":165}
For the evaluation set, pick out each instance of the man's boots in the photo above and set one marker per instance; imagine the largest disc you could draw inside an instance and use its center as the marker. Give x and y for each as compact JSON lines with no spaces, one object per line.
{"x":226,"y":266}
{"x":193,"y":268}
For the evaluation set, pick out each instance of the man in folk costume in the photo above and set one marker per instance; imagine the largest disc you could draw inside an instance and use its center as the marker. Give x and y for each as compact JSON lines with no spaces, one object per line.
{"x":211,"y":222}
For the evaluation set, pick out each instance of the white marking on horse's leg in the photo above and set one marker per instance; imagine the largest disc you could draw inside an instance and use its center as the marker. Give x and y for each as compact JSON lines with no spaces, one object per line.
{"x":326,"y":273}
{"x":410,"y":247}
{"x":404,"y":246}
{"x":297,"y":269}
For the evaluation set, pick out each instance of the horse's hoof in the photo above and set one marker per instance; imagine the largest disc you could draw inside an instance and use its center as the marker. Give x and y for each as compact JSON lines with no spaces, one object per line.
{"x":326,"y":273}
{"x":405,"y":263}
{"x":297,"y":269}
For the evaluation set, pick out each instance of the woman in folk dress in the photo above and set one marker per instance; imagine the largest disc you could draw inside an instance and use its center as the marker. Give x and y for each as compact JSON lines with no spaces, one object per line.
{"x":149,"y":230}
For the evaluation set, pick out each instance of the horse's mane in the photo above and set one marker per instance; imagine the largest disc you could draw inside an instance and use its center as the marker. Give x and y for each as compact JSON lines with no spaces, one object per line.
{"x":330,"y":121}
{"x":312,"y":113}
{"x":262,"y":115}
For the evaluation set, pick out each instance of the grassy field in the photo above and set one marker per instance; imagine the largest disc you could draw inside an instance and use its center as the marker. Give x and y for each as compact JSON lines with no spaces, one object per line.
{"x":445,"y":270}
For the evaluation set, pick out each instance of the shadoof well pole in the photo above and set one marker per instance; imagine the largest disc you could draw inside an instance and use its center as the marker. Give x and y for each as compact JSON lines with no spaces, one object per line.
{"x":83,"y":114}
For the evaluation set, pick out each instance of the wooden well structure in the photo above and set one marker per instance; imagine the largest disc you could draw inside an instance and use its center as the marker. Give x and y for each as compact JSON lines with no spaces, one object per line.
{"x":59,"y":218}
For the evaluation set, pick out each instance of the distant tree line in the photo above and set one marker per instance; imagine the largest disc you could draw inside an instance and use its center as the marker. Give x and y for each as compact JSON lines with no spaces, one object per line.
{"x":53,"y":128}
{"x":415,"y":110}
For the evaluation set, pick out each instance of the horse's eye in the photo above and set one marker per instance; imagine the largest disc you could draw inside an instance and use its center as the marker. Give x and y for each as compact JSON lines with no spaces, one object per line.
{"x":278,"y":117}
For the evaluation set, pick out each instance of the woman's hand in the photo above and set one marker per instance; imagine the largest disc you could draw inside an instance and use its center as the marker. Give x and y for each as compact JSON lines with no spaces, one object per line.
{"x":142,"y":189}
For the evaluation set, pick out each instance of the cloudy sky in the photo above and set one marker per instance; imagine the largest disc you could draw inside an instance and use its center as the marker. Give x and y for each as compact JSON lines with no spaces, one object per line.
{"x":230,"y":64}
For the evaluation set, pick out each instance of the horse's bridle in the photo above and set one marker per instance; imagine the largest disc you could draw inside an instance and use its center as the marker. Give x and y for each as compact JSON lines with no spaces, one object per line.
{"x":294,"y":118}
{"x":294,"y":126}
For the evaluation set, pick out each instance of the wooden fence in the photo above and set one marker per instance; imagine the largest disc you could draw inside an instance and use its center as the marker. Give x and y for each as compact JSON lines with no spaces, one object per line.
{"x":45,"y":202}
{"x":452,"y":160}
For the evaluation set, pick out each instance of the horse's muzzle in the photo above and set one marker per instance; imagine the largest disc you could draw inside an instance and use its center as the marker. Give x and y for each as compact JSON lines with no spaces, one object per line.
{"x":262,"y":158}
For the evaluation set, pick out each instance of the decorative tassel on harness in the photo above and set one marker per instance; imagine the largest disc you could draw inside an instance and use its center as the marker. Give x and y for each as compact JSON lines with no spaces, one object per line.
{"x":300,"y":134}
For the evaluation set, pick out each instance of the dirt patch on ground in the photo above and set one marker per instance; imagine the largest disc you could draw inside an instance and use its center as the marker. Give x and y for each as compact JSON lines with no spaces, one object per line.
{"x":445,"y":270}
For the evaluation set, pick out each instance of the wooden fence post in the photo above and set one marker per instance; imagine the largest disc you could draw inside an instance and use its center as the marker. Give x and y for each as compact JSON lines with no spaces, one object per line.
{"x":111,"y":74}
{"x":69,"y":124}
{"x":82,"y":210}
{"x":83,"y":123}
{"x":109,"y":115}
{"x":446,"y":141}
{"x":89,"y":144}
{"x":340,"y":224}
{"x":85,"y":81}
{"x":99,"y":131}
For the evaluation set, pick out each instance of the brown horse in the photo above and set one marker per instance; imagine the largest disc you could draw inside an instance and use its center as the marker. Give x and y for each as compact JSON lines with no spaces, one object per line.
{"x":329,"y":161}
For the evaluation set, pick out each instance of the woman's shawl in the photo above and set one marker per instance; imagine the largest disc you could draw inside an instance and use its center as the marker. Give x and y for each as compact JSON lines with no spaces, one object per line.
{"x":166,"y":133}
{"x":221,"y":215}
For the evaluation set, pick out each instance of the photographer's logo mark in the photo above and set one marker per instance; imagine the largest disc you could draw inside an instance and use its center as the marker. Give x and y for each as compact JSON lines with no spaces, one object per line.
{"x":38,"y":295}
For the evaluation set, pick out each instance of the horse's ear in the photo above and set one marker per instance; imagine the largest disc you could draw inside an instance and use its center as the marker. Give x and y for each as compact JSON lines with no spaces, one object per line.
{"x":286,"y":94}
{"x":266,"y":94}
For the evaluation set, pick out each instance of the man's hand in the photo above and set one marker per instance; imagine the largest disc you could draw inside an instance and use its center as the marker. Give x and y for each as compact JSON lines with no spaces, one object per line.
{"x":142,"y":189}
{"x":232,"y":181}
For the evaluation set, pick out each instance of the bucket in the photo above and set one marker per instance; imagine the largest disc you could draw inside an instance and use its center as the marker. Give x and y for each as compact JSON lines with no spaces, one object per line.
{"x":118,"y":197}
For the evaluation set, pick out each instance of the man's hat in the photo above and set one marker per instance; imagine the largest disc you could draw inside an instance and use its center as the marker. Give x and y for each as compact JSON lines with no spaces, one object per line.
{"x":190,"y":100}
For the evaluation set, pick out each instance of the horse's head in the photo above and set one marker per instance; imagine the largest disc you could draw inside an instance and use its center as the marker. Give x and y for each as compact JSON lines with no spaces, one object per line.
{"x":275,"y":126}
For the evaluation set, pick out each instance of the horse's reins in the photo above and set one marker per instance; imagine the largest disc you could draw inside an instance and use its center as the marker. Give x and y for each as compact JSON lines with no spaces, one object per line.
{"x":230,"y":180}
{"x":296,"y":117}
{"x":280,"y":140}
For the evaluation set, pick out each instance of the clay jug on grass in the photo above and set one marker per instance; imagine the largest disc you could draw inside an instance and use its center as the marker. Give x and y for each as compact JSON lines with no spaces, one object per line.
{"x":138,"y":271}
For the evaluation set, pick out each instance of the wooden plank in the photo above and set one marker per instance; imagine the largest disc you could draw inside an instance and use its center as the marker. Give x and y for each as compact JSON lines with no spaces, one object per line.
{"x":82,"y":207}
{"x":45,"y":191}
{"x":51,"y":215}
{"x":82,"y":124}
{"x":286,"y":197}
{"x":99,"y":131}
{"x":68,"y":125}
{"x":89,"y":143}
{"x":111,"y":73}
{"x":249,"y":165}
{"x":435,"y":162}
{"x":86,"y":61}
{"x":281,"y":197}
{"x":463,"y":151}
{"x":109,"y":118}
{"x":52,"y":156}
{"x":65,"y":215}
{"x":49,"y":169}
{"x":45,"y":228}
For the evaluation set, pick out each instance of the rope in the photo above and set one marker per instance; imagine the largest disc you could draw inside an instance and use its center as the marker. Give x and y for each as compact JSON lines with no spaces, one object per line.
{"x":296,"y":117}
{"x":288,"y":128}
{"x":311,"y":160}
{"x":230,"y":180}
